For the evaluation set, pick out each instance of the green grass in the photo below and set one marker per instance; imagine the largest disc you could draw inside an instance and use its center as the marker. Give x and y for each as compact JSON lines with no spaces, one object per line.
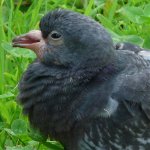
{"x":126,"y":21}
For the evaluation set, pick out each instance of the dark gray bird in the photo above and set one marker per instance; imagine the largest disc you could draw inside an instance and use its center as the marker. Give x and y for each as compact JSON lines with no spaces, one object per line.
{"x":80,"y":90}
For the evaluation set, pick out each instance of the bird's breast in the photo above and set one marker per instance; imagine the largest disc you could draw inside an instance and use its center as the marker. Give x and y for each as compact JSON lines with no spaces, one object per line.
{"x":47,"y":95}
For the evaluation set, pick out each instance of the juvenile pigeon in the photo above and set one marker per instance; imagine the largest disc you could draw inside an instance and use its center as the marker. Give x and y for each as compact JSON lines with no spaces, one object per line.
{"x":80,"y":90}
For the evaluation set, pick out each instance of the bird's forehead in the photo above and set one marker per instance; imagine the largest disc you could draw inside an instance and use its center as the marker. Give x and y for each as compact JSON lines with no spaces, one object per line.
{"x":55,"y":20}
{"x":60,"y":16}
{"x":64,"y":20}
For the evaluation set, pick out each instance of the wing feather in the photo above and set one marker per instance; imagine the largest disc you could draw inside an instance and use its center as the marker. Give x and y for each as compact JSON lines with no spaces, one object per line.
{"x":134,"y":89}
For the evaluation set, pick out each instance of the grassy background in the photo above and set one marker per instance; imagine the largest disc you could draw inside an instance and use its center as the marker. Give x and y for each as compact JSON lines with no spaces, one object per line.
{"x":126,"y":20}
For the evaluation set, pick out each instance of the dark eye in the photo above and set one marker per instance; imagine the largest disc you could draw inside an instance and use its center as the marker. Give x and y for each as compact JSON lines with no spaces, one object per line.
{"x":55,"y":35}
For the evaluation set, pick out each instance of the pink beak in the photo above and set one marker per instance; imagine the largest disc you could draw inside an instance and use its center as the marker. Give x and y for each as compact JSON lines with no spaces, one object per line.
{"x":32,"y":40}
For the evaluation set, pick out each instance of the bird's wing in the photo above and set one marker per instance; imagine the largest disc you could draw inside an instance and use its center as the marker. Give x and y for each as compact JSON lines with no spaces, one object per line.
{"x":145,"y":53}
{"x":134,"y":89}
{"x":128,"y":46}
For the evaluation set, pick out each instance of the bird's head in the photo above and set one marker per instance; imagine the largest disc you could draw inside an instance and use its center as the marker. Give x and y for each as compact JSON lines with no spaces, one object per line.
{"x":68,"y":39}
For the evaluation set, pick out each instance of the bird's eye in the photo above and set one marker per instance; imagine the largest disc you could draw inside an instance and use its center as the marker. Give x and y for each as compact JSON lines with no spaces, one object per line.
{"x":55,"y":35}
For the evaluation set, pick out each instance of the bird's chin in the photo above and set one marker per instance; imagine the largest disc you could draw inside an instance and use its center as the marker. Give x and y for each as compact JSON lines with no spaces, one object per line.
{"x":32,"y":40}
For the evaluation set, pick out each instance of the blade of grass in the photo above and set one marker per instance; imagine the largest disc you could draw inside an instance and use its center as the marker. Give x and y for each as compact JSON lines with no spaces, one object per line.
{"x":89,"y":8}
{"x":2,"y":53}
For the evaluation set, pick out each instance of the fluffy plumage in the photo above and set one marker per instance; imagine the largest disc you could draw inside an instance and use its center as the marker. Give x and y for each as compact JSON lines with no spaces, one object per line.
{"x":83,"y":92}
